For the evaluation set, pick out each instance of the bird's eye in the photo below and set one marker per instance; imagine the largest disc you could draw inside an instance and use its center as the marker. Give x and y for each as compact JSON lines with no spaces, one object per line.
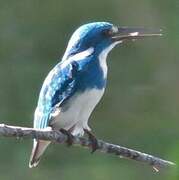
{"x":107,"y":32}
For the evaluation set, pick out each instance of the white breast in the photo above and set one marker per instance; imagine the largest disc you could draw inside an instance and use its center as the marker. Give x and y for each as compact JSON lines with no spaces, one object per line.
{"x":77,"y":111}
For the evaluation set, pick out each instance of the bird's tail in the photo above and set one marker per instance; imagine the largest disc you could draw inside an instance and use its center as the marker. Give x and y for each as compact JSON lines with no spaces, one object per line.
{"x":38,"y":149}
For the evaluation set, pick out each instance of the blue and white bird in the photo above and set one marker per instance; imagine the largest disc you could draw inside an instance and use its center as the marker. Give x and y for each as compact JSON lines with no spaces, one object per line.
{"x":75,"y":85}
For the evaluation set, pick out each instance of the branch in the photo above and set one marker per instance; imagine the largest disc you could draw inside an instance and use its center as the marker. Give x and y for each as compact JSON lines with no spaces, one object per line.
{"x":105,"y":147}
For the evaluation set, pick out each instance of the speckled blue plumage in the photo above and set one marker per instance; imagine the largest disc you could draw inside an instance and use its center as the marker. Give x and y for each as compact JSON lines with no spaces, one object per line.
{"x":70,"y":77}
{"x":75,"y":85}
{"x":65,"y":81}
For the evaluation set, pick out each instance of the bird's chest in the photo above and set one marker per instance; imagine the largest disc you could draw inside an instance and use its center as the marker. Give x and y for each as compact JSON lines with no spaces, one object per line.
{"x":89,"y":87}
{"x":78,"y":109}
{"x":83,"y":102}
{"x":93,"y":76}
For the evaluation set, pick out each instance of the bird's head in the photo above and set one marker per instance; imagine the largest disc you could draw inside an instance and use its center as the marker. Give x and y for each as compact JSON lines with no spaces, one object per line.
{"x":104,"y":35}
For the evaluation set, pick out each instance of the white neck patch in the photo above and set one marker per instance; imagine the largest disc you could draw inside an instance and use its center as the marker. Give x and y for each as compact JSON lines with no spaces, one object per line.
{"x":77,"y":57}
{"x":103,"y":56}
{"x":83,"y":54}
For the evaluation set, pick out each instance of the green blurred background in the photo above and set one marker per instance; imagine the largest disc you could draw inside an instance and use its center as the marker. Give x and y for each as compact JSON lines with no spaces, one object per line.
{"x":140,"y":108}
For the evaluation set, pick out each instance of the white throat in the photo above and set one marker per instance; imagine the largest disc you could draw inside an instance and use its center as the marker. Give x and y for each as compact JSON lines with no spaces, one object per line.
{"x":103,"y":55}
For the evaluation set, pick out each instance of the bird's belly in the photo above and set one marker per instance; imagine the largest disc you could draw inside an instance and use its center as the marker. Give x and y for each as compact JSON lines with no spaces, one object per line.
{"x":77,"y":110}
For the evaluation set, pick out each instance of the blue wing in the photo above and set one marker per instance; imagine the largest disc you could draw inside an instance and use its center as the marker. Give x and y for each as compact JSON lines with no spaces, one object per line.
{"x":57,"y":88}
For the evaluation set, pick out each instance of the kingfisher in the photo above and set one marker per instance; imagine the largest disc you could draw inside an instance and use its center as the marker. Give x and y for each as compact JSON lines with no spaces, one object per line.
{"x":74,"y":87}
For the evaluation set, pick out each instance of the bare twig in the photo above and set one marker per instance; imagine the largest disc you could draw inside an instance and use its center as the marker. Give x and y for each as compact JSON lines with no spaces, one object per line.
{"x":58,"y":137}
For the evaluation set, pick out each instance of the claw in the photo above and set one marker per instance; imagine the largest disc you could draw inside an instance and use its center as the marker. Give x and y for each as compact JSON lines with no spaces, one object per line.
{"x":69,"y":136}
{"x":156,"y":169}
{"x":93,"y":140}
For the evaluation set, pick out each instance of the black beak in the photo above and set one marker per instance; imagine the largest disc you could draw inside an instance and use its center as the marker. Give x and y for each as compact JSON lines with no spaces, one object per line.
{"x":127,"y":33}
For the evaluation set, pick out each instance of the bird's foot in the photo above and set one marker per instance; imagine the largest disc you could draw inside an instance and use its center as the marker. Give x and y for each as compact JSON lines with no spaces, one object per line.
{"x":69,"y":136}
{"x":93,"y":140}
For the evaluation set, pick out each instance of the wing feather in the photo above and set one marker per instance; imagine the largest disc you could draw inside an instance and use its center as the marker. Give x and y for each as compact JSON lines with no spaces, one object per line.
{"x":57,"y":88}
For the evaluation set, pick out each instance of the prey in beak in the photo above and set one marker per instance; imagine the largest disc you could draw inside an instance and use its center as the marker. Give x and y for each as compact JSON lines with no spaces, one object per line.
{"x":128,"y":33}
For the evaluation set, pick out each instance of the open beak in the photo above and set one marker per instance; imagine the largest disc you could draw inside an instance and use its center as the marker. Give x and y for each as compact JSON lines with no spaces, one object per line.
{"x":127,"y":33}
